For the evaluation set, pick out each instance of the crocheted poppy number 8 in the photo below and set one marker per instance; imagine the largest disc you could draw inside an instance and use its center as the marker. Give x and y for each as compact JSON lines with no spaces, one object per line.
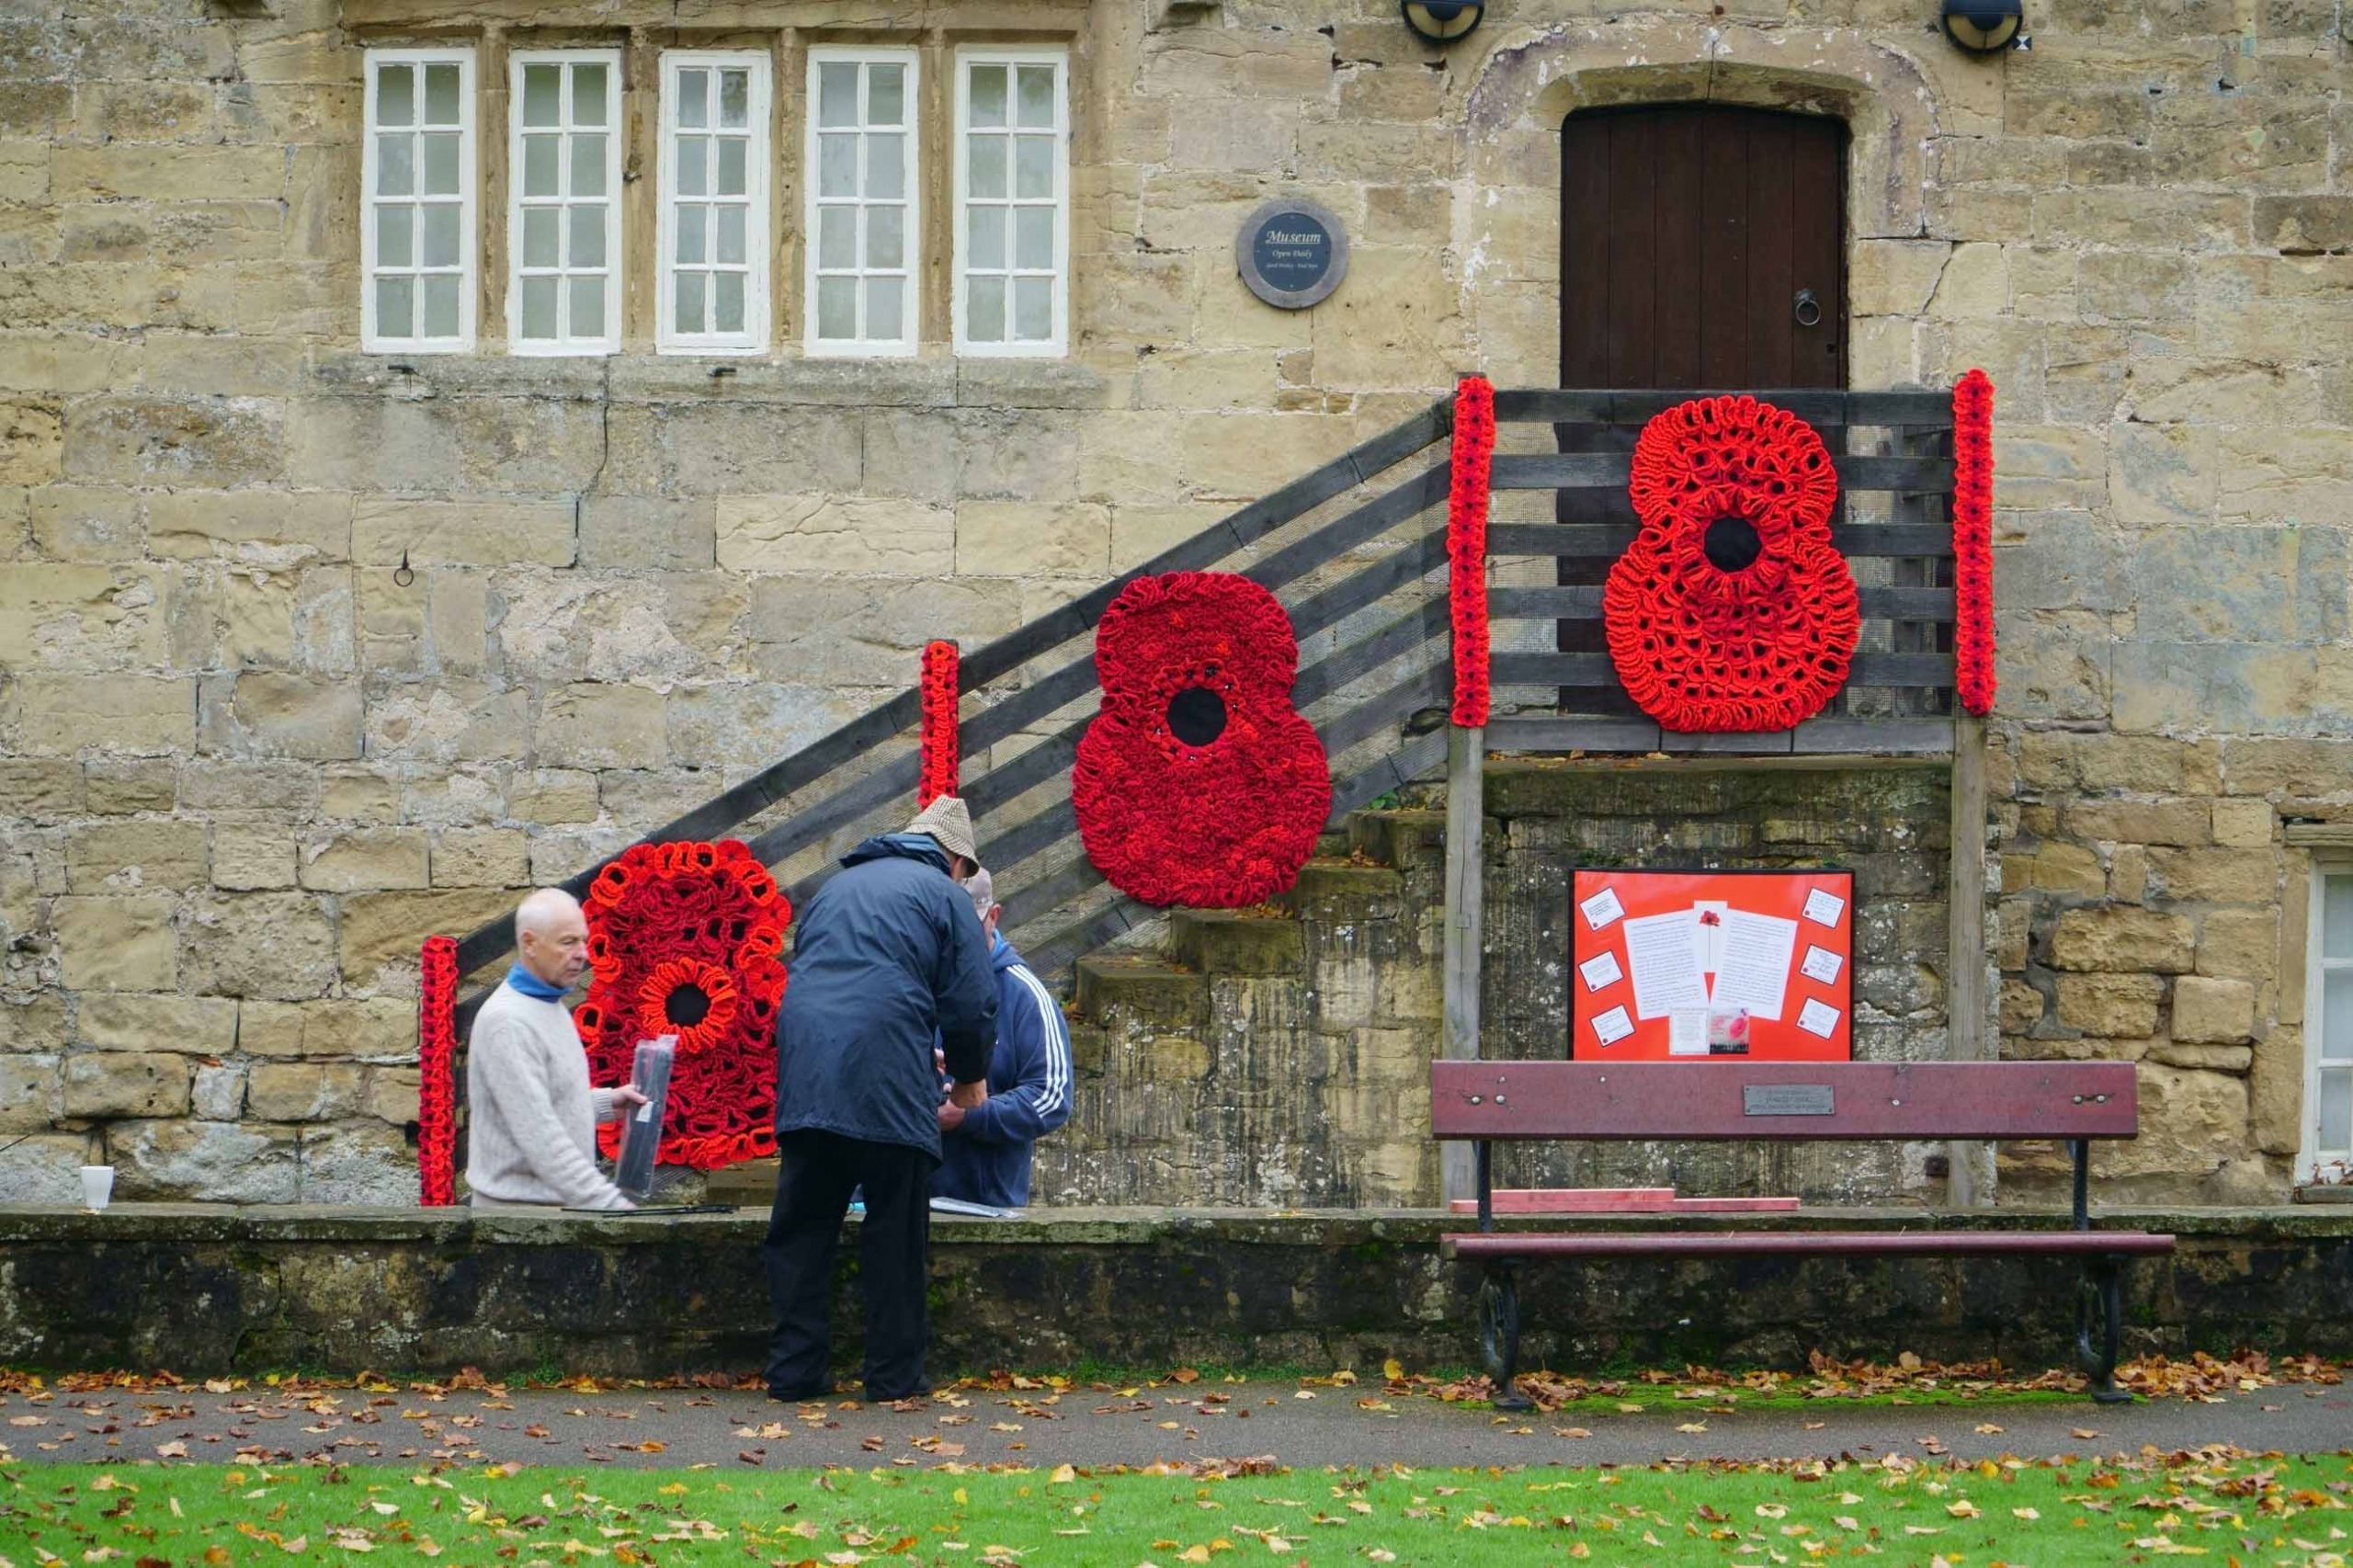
{"x":1199,"y":783}
{"x":1731,"y":609}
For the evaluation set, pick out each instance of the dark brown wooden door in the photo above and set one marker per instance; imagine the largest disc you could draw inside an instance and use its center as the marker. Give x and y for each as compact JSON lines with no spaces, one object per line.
{"x":1702,"y":247}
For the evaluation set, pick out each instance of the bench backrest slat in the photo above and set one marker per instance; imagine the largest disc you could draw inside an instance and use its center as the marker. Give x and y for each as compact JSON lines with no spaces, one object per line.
{"x":1704,"y":1100}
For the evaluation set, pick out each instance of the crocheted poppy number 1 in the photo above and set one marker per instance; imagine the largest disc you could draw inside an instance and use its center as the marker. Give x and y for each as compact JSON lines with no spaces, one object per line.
{"x":1197,"y":783}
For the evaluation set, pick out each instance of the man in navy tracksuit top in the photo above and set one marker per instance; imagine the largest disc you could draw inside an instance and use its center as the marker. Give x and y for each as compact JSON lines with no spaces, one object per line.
{"x":984,"y":1152}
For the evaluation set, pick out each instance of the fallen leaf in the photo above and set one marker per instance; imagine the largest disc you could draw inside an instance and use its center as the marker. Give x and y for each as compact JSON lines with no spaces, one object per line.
{"x":1572,"y":1431}
{"x":171,"y":1450}
{"x":1692,"y":1426}
{"x":1988,"y":1429}
{"x":2082,"y":1432}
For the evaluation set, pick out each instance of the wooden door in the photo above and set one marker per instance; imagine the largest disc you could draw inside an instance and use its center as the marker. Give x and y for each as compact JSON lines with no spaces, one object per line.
{"x":1702,"y":247}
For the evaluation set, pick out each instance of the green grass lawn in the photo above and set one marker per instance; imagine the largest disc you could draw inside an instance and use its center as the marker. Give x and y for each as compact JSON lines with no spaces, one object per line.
{"x":2226,"y":1507}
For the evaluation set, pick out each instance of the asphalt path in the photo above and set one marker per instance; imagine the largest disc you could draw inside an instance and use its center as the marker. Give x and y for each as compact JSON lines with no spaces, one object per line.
{"x":1300,"y":1427}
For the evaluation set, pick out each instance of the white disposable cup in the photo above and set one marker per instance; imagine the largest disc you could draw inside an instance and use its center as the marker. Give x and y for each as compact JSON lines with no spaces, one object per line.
{"x":97,"y":1185}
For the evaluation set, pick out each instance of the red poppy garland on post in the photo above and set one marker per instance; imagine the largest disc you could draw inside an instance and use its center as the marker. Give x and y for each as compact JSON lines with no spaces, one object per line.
{"x":941,"y":692}
{"x":437,"y":1056}
{"x":1732,"y":610}
{"x":1197,"y":783}
{"x":684,"y":940}
{"x":1973,"y":542}
{"x":1466,"y":544}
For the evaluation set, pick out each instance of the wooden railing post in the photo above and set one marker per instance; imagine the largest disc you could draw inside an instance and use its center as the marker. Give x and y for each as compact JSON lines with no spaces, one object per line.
{"x":1965,"y":935}
{"x":1466,"y":751}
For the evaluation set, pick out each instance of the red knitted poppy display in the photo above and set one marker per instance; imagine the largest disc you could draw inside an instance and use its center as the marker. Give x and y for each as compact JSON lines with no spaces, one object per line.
{"x":1197,"y":783}
{"x":1731,"y":609}
{"x":940,"y":693}
{"x":437,"y":1056}
{"x":683,"y":939}
{"x":1973,"y":542}
{"x":1466,"y":544}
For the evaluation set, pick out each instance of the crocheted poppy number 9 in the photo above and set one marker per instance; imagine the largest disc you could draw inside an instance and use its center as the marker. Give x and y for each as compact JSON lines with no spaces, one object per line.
{"x":1199,"y":783}
{"x":1731,"y":609}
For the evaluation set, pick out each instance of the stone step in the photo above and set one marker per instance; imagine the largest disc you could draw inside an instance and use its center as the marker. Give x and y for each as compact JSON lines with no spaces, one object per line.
{"x":1220,"y":941}
{"x":1404,"y":839}
{"x":1343,"y":889}
{"x":1142,"y":989}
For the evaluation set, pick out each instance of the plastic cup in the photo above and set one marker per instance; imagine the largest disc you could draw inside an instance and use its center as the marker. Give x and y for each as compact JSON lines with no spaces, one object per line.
{"x":97,"y":1185}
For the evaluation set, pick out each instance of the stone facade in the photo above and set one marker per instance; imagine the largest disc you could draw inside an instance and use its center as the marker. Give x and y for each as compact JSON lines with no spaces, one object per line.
{"x":243,"y":767}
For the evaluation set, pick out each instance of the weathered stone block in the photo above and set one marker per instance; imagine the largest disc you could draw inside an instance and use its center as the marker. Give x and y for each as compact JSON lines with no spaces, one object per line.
{"x":2140,"y":822}
{"x":193,"y":1025}
{"x":31,"y":1093}
{"x":80,"y":616}
{"x":273,"y":946}
{"x":126,"y":1082}
{"x":2020,"y":1007}
{"x":2118,"y":1007}
{"x":1022,"y":539}
{"x":267,"y":529}
{"x":318,"y":721}
{"x":207,"y":1162}
{"x":133,"y":713}
{"x":602,"y":726}
{"x":32,"y":447}
{"x":386,"y":928}
{"x":2242,"y":823}
{"x":2054,"y":868}
{"x":357,"y":1163}
{"x":502,"y":533}
{"x":2242,"y":942}
{"x":117,"y":787}
{"x":116,"y":944}
{"x":41,"y":787}
{"x":219,"y":1093}
{"x":2213,"y":1010}
{"x":2215,"y":876}
{"x":304,"y":1091}
{"x":2191,"y":1123}
{"x":127,"y":856}
{"x":366,"y":860}
{"x":246,"y":858}
{"x":481,"y":857}
{"x":203,"y":443}
{"x":392,"y":1094}
{"x":835,"y":533}
{"x":2298,"y":225}
{"x":553,"y":796}
{"x":2123,"y":941}
{"x":2203,"y":1058}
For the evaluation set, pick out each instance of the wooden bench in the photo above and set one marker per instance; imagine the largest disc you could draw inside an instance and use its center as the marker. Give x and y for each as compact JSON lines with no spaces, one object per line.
{"x":2074,"y":1101}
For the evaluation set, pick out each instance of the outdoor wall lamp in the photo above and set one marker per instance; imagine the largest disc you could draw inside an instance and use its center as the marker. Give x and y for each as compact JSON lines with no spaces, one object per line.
{"x":1985,"y":26}
{"x":1443,"y":21}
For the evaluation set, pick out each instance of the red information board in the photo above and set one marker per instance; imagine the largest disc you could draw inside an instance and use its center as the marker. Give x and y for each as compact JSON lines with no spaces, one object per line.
{"x":1676,"y":965}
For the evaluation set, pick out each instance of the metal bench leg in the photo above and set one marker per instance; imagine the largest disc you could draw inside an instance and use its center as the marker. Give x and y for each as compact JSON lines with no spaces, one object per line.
{"x":2103,"y":1278}
{"x":1499,"y":1336}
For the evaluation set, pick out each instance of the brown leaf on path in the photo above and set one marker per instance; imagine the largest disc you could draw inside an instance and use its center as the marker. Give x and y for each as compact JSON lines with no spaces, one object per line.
{"x":171,"y":1450}
{"x":1572,"y":1431}
{"x":2082,"y":1432}
{"x":1986,"y":1429}
{"x":1692,"y":1426}
{"x":750,"y":1458}
{"x":871,"y":1445}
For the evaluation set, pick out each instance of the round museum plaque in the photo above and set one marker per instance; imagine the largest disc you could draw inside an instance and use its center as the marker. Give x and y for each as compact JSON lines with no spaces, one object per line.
{"x":1292,"y":253}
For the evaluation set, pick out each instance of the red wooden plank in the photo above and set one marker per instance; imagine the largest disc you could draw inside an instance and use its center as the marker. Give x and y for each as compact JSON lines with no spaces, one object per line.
{"x":1734,"y":1205}
{"x":1576,"y":1201}
{"x":1709,"y":1100}
{"x":1843,"y":1244}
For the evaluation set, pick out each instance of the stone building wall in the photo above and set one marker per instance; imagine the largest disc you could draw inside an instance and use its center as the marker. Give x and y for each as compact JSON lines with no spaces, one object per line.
{"x":243,"y":769}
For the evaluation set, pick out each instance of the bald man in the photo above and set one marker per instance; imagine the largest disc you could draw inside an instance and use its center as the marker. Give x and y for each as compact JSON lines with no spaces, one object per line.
{"x":532,"y":1137}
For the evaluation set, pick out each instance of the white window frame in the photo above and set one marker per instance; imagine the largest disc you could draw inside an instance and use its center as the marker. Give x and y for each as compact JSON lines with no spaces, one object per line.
{"x":469,"y":198}
{"x":759,"y":156}
{"x":609,"y":342}
{"x":1058,"y":345}
{"x":2316,"y":967}
{"x":911,"y":255}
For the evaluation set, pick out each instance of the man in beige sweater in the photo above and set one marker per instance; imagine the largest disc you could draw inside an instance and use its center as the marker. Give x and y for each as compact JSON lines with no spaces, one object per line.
{"x":532,"y":1134}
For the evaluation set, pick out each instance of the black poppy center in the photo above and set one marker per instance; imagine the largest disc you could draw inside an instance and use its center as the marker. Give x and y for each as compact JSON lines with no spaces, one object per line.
{"x":1197,"y":715}
{"x":1731,"y":544}
{"x":686,"y":1006}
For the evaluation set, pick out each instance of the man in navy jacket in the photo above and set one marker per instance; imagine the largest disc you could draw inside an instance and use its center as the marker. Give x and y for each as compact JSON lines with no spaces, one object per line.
{"x":985,"y":1151}
{"x":888,"y":958}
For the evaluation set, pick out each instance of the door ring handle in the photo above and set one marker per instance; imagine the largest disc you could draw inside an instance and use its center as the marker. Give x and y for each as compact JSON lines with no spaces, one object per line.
{"x":1808,"y":309}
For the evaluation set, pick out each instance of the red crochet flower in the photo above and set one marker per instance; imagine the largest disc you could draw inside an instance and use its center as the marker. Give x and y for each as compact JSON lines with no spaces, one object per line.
{"x":683,"y":940}
{"x":436,"y":1055}
{"x":940,"y":765}
{"x":1466,"y":544}
{"x":1731,"y":609}
{"x":1973,"y":542}
{"x":1197,"y":783}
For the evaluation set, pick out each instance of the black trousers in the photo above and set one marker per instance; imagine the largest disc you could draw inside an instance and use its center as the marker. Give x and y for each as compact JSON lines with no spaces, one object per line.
{"x":817,"y":1172}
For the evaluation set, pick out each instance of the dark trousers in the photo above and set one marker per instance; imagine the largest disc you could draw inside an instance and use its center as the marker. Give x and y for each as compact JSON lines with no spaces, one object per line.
{"x":816,"y":1173}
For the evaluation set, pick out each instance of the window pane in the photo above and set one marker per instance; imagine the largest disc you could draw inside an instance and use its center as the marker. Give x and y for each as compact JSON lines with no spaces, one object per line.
{"x":690,"y":232}
{"x":694,"y":99}
{"x":837,"y":93}
{"x":589,"y":164}
{"x":440,"y":306}
{"x":543,"y":95}
{"x":730,"y":245}
{"x":539,"y":154}
{"x":1033,"y":309}
{"x":2337,"y":1016}
{"x":2336,"y":1110}
{"x":837,"y":166}
{"x":885,"y":235}
{"x":396,"y":165}
{"x":987,"y":177}
{"x":393,"y":230}
{"x":588,"y":225}
{"x":395,"y":305}
{"x":985,"y":233}
{"x":886,"y":94}
{"x":984,"y":309}
{"x":1037,"y":107}
{"x":734,"y":99}
{"x":2337,"y":917}
{"x":727,"y":301}
{"x":884,"y":299}
{"x":836,"y":236}
{"x":689,"y":312}
{"x":692,"y":150}
{"x":731,"y":166}
{"x":539,"y":307}
{"x":539,"y":230}
{"x":440,"y":247}
{"x":837,"y":307}
{"x":441,"y":107}
{"x":397,"y":94}
{"x":588,"y":93}
{"x":441,"y":165}
{"x":987,"y":95}
{"x":1033,"y":167}
{"x":1033,"y":236}
{"x":588,"y":308}
{"x":886,"y":166}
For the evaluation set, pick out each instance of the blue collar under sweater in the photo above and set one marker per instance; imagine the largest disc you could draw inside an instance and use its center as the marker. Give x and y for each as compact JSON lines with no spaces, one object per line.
{"x":531,"y":986}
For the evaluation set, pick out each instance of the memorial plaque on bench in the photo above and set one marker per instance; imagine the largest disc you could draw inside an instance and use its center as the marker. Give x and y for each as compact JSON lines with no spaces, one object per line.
{"x":1785,"y":1100}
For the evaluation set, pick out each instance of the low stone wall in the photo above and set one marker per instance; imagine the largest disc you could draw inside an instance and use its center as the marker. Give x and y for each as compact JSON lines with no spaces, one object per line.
{"x":206,"y":1289}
